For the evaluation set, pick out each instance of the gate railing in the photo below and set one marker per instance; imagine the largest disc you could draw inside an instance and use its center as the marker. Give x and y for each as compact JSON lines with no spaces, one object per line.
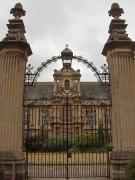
{"x":67,"y":140}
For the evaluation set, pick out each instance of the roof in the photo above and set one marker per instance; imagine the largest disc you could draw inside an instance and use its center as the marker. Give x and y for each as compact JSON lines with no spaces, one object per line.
{"x":40,"y":90}
{"x":93,"y":90}
{"x":44,"y":90}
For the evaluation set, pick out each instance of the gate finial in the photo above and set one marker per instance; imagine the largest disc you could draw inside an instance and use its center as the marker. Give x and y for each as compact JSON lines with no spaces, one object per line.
{"x":115,"y":11}
{"x":67,"y":46}
{"x":18,"y":11}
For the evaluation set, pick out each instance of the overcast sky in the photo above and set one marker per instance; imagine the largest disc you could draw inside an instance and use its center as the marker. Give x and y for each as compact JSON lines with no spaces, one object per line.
{"x":51,"y":24}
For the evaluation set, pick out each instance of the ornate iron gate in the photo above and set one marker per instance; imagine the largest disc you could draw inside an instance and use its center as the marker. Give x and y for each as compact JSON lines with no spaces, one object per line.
{"x":67,"y":140}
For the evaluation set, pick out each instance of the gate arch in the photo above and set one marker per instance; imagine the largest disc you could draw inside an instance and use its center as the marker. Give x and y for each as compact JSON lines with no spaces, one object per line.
{"x":102,"y":77}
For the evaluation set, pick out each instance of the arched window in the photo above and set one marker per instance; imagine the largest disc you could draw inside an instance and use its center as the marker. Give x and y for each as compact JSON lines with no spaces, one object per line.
{"x":67,"y":84}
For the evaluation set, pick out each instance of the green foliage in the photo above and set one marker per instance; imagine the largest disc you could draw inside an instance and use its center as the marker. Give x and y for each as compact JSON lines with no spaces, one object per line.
{"x":89,"y":141}
{"x":1,"y":172}
{"x":92,"y":140}
{"x":41,"y":143}
{"x":58,"y":143}
{"x":82,"y":142}
{"x":131,"y":170}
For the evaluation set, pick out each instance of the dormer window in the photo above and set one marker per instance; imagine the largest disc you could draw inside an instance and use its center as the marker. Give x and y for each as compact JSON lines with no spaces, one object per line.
{"x":67,"y":84}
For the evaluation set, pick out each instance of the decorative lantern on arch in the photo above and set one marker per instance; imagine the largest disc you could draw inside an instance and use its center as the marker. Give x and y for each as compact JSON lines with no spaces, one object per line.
{"x":67,"y":56}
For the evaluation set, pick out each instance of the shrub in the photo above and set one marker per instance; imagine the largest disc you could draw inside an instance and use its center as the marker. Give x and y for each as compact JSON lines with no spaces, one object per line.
{"x":1,"y":172}
{"x":131,"y":170}
{"x":58,"y":143}
{"x":88,"y":140}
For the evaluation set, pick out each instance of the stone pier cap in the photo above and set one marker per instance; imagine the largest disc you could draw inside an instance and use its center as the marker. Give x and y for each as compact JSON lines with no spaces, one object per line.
{"x":15,"y":38}
{"x":118,"y":37}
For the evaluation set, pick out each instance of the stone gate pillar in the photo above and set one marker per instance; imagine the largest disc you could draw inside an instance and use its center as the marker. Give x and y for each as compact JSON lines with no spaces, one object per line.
{"x":14,"y":51}
{"x":119,"y":51}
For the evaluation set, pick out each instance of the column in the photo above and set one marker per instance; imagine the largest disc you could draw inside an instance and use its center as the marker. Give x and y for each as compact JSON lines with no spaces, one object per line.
{"x":14,"y":51}
{"x":119,"y":51}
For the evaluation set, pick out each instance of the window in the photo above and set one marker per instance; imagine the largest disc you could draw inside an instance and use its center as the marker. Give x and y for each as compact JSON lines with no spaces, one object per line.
{"x":91,"y":117}
{"x":66,"y":113}
{"x":67,"y":84}
{"x":44,"y":118}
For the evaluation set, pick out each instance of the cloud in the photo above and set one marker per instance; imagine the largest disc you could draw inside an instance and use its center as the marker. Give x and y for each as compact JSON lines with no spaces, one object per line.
{"x":51,"y":24}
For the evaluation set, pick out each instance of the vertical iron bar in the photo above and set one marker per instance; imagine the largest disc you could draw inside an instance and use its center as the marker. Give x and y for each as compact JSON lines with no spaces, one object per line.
{"x":67,"y":177}
{"x":27,"y":142}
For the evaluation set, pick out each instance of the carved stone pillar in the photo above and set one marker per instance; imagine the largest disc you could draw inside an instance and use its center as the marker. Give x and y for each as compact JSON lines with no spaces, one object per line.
{"x":14,"y":51}
{"x":120,"y":57}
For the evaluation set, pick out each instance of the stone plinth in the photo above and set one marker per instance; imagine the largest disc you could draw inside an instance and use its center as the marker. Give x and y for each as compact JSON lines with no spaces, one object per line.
{"x":119,"y":162}
{"x":13,"y":166}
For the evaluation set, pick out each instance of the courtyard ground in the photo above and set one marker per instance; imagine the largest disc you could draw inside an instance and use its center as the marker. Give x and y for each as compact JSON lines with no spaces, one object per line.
{"x":61,"y":158}
{"x":81,"y":165}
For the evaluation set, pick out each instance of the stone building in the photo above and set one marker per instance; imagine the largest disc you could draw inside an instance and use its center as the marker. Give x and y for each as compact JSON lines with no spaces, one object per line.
{"x":67,"y":100}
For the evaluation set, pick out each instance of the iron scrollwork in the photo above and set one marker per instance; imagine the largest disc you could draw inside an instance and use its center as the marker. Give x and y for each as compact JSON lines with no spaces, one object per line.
{"x":31,"y":76}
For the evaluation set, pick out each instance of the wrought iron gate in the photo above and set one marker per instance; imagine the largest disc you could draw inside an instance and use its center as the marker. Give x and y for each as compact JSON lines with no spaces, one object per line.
{"x":67,"y":140}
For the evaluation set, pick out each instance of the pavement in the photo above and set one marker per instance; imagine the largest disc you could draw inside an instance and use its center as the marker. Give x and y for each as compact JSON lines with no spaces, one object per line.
{"x":93,"y":172}
{"x":60,"y":171}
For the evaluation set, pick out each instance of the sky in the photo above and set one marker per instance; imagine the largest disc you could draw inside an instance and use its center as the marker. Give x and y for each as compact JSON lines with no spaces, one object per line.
{"x":82,"y":24}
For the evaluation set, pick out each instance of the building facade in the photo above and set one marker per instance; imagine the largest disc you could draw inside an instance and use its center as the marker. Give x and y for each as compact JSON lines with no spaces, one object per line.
{"x":52,"y":106}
